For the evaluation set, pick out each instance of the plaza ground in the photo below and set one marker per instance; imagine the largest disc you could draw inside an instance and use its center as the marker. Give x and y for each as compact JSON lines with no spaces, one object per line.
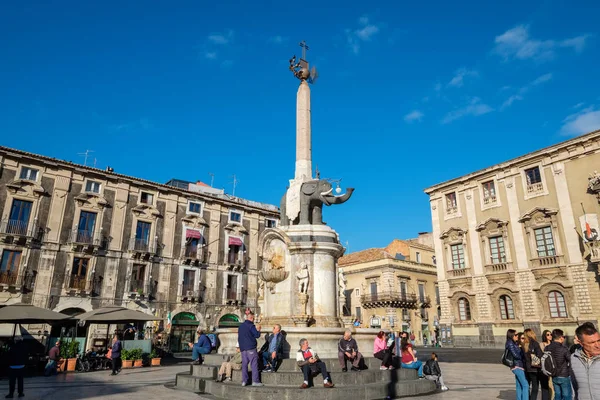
{"x":465,"y":380}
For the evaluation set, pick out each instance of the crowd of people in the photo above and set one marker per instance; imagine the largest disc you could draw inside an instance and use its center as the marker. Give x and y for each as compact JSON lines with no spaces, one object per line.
{"x":549,"y":366}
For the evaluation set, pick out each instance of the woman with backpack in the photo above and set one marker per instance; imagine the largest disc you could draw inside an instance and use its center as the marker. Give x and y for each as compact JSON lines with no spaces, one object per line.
{"x":516,"y":358}
{"x":533,"y":365}
{"x":433,"y":372}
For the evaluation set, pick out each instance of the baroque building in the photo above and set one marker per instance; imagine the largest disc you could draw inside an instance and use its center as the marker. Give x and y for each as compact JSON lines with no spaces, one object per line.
{"x":516,"y":244}
{"x":75,"y":238}
{"x":393,"y":288}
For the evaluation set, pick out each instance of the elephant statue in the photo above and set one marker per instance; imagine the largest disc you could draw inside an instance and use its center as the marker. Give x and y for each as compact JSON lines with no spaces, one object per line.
{"x":312,"y":196}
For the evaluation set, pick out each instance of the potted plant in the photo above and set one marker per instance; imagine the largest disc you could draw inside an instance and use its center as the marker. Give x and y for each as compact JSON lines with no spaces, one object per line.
{"x":155,"y":358}
{"x":136,"y":356}
{"x":61,"y":364}
{"x":72,"y":350}
{"x":126,"y":357}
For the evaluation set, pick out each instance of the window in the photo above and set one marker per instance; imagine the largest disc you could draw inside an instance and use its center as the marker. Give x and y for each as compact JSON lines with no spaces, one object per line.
{"x":195,"y":208}
{"x":235,"y":247}
{"x":142,"y":236}
{"x":9,"y":267}
{"x":85,"y":229}
{"x":557,"y":305}
{"x":189,"y":278}
{"x":418,"y":257}
{"x":358,"y":313}
{"x":534,"y":180}
{"x":357,"y":292}
{"x":458,"y":256}
{"x":18,"y":219}
{"x":29,"y":174}
{"x":451,"y":204}
{"x":147,"y":198}
{"x":544,"y":242}
{"x":497,"y":253}
{"x":489,"y":192}
{"x":421,"y":293}
{"x":92,"y":187}
{"x":464,"y":309}
{"x":374,"y":289}
{"x":79,"y":273}
{"x":270,"y":223}
{"x":235,"y":216}
{"x":506,"y":307}
{"x":232,"y":293}
{"x":405,"y":315}
{"x":403,"y":289}
{"x":437,"y":295}
{"x":138,"y":276}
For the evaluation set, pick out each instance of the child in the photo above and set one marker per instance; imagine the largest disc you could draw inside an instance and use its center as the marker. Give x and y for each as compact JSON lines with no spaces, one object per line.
{"x":432,"y":372}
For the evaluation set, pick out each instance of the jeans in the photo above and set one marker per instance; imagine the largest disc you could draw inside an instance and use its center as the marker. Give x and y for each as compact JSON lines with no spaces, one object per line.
{"x":418,"y":365}
{"x":562,"y":388}
{"x":321,"y":367}
{"x":268,"y":361}
{"x":198,"y":351}
{"x":439,"y":381}
{"x":521,"y":384}
{"x":537,"y":379}
{"x":14,"y":376}
{"x":250,"y":357}
{"x":50,"y":368}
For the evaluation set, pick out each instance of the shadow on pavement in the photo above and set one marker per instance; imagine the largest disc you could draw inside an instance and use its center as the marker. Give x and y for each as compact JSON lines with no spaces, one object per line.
{"x":507,"y":395}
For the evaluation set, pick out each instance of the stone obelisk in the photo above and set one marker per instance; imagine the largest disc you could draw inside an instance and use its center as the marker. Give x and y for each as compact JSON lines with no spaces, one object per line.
{"x":303,"y":134}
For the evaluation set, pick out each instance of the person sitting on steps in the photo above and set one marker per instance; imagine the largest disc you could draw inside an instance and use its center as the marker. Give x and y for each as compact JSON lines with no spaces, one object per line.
{"x":310,"y":364}
{"x":227,"y":366}
{"x":203,"y":346}
{"x":348,"y":351}
{"x":433,"y":372}
{"x":272,"y":350}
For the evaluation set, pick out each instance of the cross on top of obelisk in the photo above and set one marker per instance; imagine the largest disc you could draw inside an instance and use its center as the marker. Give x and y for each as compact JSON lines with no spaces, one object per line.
{"x":304,"y":48}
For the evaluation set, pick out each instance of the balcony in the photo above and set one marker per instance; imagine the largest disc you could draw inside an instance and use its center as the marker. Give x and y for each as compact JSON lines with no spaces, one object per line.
{"x":78,"y":282}
{"x":232,"y":296}
{"x":451,"y":210}
{"x":189,"y":293}
{"x":389,"y":300}
{"x":137,"y":287}
{"x":594,"y":252}
{"x":20,"y":232}
{"x":489,"y":200}
{"x":498,"y":268}
{"x":535,"y":188}
{"x":459,"y":273}
{"x":547,"y":262}
{"x":236,"y":262}
{"x":143,"y":248}
{"x":194,"y":255}
{"x":425,"y":301}
{"x":85,"y":240}
{"x":8,"y":278}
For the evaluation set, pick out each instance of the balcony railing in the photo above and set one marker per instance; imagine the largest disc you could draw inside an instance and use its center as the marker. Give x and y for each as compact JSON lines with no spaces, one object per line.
{"x":535,"y":188}
{"x":137,"y":286}
{"x":499,"y":267}
{"x":78,"y":282}
{"x":487,"y":200}
{"x":236,"y":260}
{"x":142,"y":246}
{"x":459,"y":273}
{"x":548,"y":261}
{"x":195,"y":253}
{"x":389,"y":299}
{"x":425,"y":301}
{"x":189,"y":291}
{"x":8,"y":278}
{"x":16,"y":228}
{"x":84,"y":237}
{"x":451,"y":210}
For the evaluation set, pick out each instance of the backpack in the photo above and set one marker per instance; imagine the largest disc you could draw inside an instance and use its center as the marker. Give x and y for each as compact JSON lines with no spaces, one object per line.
{"x":548,"y":365}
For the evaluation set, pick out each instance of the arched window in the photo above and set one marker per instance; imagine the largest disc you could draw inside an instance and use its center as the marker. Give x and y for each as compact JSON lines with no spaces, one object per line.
{"x":506,"y":307}
{"x":464,"y":309}
{"x":557,"y":305}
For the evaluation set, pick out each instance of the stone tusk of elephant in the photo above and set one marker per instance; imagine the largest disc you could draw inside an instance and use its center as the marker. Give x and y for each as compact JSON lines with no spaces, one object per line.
{"x":327,"y":192}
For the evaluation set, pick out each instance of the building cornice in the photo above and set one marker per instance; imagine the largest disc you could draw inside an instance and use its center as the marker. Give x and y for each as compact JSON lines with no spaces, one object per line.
{"x":392,"y":264}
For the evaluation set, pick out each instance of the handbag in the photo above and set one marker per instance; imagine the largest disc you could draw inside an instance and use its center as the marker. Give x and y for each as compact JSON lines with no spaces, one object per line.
{"x":535,"y":361}
{"x":508,"y":359}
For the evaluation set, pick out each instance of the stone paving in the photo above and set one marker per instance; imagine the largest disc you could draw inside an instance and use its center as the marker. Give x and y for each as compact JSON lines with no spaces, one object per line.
{"x":466,"y":381}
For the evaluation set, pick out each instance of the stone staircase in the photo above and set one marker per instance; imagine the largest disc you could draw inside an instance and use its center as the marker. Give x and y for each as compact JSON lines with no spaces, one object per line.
{"x":368,"y":384}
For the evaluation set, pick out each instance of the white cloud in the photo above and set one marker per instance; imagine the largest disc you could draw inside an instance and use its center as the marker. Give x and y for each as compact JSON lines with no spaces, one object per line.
{"x":413,"y":116}
{"x":579,"y":105}
{"x":584,"y":121}
{"x":221,"y":39}
{"x":516,"y":43}
{"x":210,"y":55}
{"x":459,"y":78}
{"x":475,"y":108}
{"x":519,"y":95}
{"x":364,"y":33}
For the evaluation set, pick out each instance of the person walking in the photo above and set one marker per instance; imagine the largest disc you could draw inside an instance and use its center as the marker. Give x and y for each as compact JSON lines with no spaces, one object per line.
{"x":53,"y":357}
{"x":433,"y":372}
{"x":17,"y":357}
{"x":533,"y":366}
{"x":408,"y":358}
{"x":202,"y":346}
{"x":247,"y":335}
{"x":115,"y":355}
{"x":562,"y":361}
{"x":586,"y":362}
{"x":518,"y":369}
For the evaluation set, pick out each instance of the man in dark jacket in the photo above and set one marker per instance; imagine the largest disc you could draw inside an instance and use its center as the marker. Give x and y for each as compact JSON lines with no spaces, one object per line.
{"x":561,"y":379}
{"x":203,"y":346}
{"x":17,"y":358}
{"x":348,"y":351}
{"x":247,"y":335}
{"x":272,"y":350}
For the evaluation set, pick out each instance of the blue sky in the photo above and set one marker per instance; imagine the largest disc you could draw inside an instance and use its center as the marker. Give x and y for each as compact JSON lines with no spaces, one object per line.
{"x":409,"y":95}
